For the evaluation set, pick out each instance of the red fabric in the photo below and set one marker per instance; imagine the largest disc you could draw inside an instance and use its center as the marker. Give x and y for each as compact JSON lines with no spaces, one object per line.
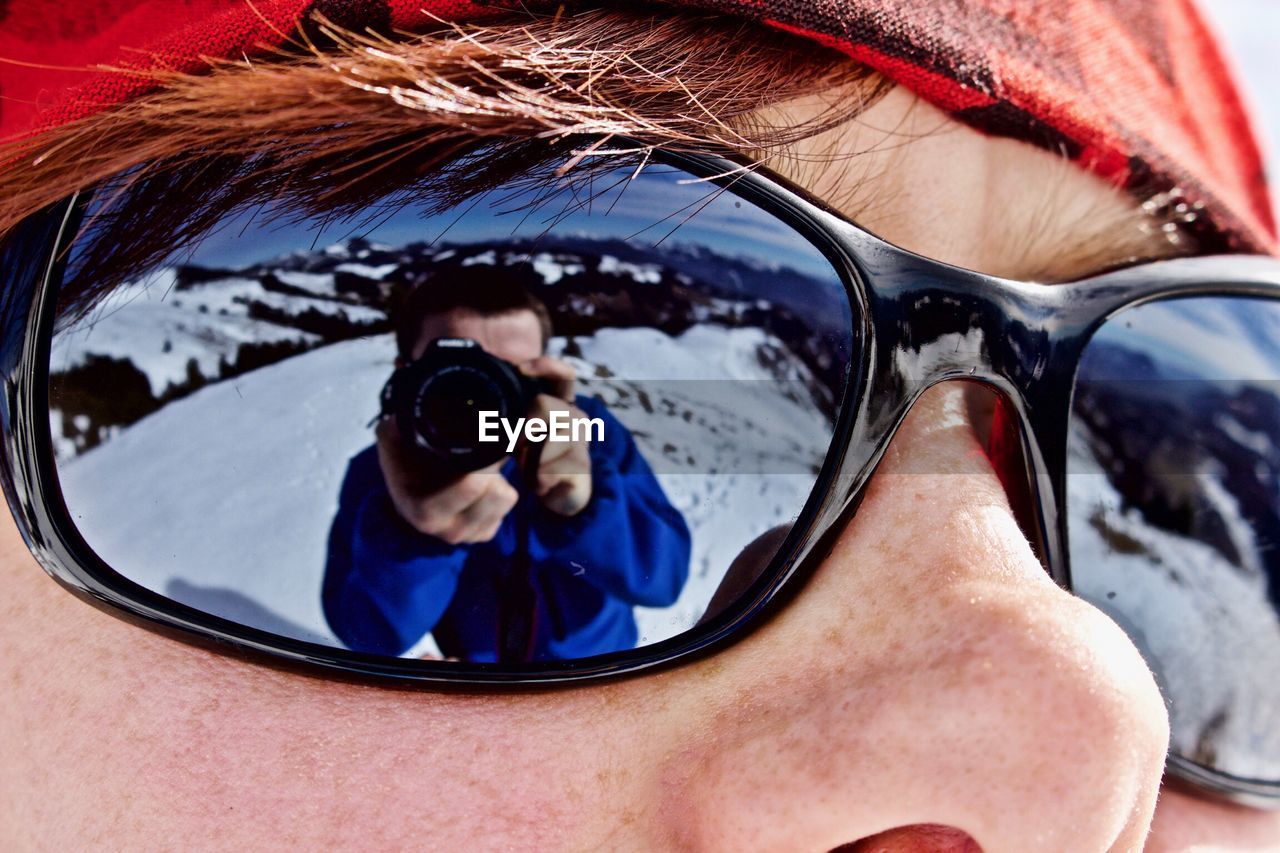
{"x":1133,"y":90}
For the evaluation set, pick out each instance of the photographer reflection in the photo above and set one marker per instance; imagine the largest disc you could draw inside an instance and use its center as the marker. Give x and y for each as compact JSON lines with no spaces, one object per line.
{"x":536,"y":554}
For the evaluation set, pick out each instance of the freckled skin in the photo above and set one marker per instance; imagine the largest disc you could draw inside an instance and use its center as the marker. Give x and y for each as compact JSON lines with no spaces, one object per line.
{"x":929,"y":673}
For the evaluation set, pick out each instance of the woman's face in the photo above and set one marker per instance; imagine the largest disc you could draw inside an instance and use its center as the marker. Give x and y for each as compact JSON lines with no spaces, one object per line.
{"x":930,"y":673}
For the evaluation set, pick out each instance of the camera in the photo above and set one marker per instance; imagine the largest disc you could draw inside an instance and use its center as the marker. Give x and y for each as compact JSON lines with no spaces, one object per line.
{"x":437,"y":401}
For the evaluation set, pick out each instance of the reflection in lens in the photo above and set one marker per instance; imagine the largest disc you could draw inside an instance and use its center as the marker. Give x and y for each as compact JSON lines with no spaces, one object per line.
{"x":1173,"y":500}
{"x":285,"y":426}
{"x":462,"y":397}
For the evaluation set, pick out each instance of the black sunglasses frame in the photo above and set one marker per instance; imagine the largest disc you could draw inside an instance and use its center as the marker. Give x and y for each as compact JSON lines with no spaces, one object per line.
{"x":1024,"y":340}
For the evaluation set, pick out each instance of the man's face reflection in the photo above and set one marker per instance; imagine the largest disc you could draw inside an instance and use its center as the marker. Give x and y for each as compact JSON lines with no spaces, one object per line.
{"x":513,"y":336}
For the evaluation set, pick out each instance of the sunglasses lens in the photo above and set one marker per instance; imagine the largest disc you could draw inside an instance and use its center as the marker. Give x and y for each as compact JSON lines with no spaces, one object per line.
{"x":550,"y":421}
{"x":1173,"y":507}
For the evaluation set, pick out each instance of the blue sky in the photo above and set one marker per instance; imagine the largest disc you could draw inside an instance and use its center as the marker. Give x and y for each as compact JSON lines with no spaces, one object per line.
{"x":1222,"y":338}
{"x":650,"y":208}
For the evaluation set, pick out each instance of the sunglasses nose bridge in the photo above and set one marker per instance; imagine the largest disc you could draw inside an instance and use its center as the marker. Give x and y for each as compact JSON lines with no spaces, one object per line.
{"x":932,"y":324}
{"x":938,"y":324}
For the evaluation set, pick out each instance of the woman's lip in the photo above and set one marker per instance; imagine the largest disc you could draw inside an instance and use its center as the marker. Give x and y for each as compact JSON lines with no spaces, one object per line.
{"x":921,"y":838}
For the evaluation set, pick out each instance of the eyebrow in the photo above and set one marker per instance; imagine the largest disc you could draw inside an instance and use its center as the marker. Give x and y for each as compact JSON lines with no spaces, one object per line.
{"x":1066,"y":225}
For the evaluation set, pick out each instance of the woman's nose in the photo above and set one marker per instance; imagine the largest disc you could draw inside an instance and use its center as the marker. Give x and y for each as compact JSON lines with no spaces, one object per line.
{"x":929,"y":673}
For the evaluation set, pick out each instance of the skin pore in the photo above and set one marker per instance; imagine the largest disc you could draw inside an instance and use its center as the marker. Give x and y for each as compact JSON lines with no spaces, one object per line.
{"x":929,"y":673}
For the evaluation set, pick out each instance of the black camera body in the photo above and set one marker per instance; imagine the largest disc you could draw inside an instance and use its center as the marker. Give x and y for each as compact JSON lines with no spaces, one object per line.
{"x":437,"y":401}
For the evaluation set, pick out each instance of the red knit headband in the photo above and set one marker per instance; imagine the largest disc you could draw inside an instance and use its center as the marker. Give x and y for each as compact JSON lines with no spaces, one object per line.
{"x":1133,"y":90}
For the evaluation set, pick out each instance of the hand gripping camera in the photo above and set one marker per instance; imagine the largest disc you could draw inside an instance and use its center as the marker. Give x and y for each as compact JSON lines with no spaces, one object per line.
{"x":437,"y":401}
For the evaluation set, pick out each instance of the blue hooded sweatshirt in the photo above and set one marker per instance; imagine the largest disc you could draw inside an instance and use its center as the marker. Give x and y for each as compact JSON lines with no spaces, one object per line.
{"x":386,"y":585}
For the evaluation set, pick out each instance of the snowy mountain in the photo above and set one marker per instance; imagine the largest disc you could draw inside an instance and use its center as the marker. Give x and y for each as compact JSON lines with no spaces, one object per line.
{"x":1202,"y":623}
{"x":172,"y":332}
{"x":1173,"y":495}
{"x":1187,"y":452}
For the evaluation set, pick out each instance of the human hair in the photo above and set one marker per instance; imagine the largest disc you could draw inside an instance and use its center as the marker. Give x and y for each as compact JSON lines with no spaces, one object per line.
{"x":338,"y":120}
{"x":339,"y":123}
{"x":490,"y":293}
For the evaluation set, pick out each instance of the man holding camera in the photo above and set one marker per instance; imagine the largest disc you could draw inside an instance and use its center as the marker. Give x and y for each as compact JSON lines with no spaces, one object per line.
{"x":536,"y":555}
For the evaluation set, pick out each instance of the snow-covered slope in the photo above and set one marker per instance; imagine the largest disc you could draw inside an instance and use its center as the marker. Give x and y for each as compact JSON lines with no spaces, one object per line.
{"x":223,"y":499}
{"x":1204,"y":623}
{"x":161,"y":328}
{"x":178,"y":328}
{"x":732,"y":436}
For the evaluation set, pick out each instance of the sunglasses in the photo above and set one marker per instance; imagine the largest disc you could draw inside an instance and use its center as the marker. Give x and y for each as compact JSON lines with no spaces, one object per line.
{"x":559,"y":429}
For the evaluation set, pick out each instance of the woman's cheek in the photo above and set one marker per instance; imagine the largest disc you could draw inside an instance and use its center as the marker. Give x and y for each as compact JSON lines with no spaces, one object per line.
{"x":124,"y":738}
{"x":1190,"y":821}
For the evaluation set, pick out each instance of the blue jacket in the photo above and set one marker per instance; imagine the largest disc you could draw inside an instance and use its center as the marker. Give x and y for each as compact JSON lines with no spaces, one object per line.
{"x":386,"y":585}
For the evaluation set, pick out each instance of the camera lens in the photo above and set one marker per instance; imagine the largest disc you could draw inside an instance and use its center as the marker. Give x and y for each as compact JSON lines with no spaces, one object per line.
{"x":448,"y":407}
